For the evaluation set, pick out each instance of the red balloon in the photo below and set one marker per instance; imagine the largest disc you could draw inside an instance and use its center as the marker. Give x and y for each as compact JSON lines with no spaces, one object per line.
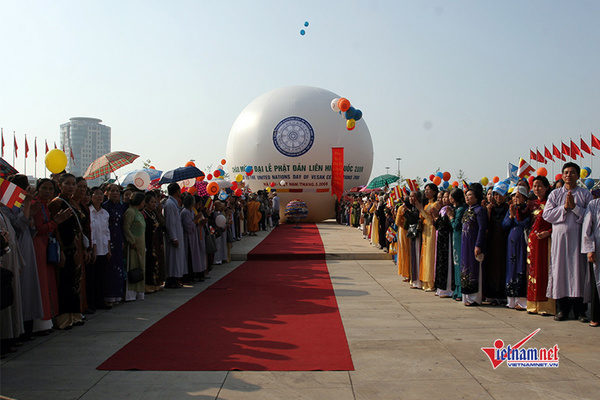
{"x":209,"y":177}
{"x":446,"y":176}
{"x":437,"y":180}
{"x":272,"y":184}
{"x":496,"y":179}
{"x":238,"y":192}
{"x":558,"y":177}
{"x":542,"y":171}
{"x":530,"y":180}
{"x":431,"y":177}
{"x":233,"y":185}
{"x":216,"y":173}
{"x":223,"y":162}
{"x":250,"y":173}
{"x":212,"y":188}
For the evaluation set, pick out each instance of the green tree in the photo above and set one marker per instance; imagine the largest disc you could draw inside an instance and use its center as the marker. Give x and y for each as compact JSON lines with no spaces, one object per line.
{"x":461,"y":176}
{"x":147,"y":164}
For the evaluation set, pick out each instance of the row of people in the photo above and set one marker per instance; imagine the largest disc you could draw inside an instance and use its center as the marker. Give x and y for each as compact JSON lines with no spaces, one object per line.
{"x":114,"y":245}
{"x":530,"y":250}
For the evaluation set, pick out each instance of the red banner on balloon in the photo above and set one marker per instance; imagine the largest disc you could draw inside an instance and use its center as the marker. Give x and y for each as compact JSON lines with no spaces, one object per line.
{"x":337,"y":171}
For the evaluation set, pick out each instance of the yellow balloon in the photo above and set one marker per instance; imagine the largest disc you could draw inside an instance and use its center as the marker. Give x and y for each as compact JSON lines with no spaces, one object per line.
{"x":485,"y":181}
{"x":350,"y":124}
{"x":239,"y":178}
{"x":56,"y":161}
{"x":583,"y":174}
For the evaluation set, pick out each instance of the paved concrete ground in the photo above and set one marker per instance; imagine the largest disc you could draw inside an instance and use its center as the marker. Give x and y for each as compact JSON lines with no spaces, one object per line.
{"x":405,"y":344}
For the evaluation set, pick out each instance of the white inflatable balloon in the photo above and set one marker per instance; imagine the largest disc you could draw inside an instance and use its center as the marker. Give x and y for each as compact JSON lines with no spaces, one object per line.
{"x":334,"y":104}
{"x":141,"y":180}
{"x":220,"y":221}
{"x":287,"y":134}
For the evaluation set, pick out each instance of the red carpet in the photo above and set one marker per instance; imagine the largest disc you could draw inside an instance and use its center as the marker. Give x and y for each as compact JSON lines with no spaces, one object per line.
{"x":290,"y":243}
{"x":263,"y":316}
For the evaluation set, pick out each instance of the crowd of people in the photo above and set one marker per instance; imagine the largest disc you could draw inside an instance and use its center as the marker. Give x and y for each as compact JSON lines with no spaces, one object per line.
{"x":533,"y":249}
{"x":71,"y":250}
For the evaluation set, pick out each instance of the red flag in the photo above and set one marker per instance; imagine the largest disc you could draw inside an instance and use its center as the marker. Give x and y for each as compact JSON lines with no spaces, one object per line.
{"x":585,"y":147}
{"x":532,"y":155}
{"x":3,"y":142}
{"x":55,"y":145}
{"x":26,"y":147}
{"x":337,"y":172}
{"x":557,"y":153}
{"x":566,"y":150}
{"x":595,"y":142}
{"x":540,"y":157}
{"x":72,"y":156}
{"x":548,"y":154}
{"x":35,"y":148}
{"x":15,"y":143}
{"x":47,"y":149}
{"x":575,"y":151}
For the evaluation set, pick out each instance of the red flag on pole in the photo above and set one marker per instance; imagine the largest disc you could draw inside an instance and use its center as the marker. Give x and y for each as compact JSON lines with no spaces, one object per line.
{"x":26,"y":147}
{"x":566,"y":150}
{"x":585,"y":147}
{"x":72,"y":156}
{"x":35,"y":148}
{"x":540,"y":157}
{"x":47,"y":149}
{"x":337,"y":172}
{"x":532,"y":155}
{"x":548,"y":154}
{"x":575,"y":151}
{"x":557,"y":153}
{"x":55,"y":145}
{"x":595,"y":142}
{"x":15,"y":144}
{"x":3,"y":142}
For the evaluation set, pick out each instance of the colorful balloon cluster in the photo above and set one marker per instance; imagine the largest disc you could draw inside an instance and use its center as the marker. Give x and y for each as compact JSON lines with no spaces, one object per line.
{"x":442,"y":178}
{"x":343,"y":106}
{"x":249,"y":170}
{"x":302,"y":31}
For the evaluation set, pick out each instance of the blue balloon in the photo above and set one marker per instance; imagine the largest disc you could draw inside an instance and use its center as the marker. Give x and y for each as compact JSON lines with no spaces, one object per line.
{"x":357,"y":115}
{"x":440,"y":174}
{"x":589,"y":183}
{"x":248,"y":168}
{"x":349,"y":114}
{"x":589,"y":170}
{"x":445,"y":185}
{"x":302,"y":32}
{"x":424,"y":179}
{"x":306,"y":23}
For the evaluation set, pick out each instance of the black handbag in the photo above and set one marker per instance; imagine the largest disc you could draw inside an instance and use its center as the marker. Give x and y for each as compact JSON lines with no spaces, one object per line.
{"x":135,"y":275}
{"x":211,"y":244}
{"x":413,"y":231}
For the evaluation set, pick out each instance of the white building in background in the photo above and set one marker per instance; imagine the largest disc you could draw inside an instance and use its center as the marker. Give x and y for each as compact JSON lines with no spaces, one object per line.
{"x":87,"y":139}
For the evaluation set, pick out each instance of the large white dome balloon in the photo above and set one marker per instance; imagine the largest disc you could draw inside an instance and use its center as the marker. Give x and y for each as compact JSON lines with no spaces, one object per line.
{"x":287,"y":135}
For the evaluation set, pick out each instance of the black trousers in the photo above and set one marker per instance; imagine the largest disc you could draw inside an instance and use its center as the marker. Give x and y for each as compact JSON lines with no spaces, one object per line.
{"x":94,"y":282}
{"x":575,"y":303}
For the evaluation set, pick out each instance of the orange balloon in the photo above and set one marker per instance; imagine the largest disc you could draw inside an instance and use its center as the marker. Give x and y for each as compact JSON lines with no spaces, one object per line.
{"x":223,"y":162}
{"x":455,"y":184}
{"x":212,"y":188}
{"x":343,"y":104}
{"x":190,"y":164}
{"x":200,"y":178}
{"x":542,"y":171}
{"x":496,"y":179}
{"x":437,"y":180}
{"x":152,"y":167}
{"x":193,"y":190}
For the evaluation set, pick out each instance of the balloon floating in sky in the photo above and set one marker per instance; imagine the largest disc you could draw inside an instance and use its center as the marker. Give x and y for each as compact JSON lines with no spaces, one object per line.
{"x":302,"y":31}
{"x":305,"y":23}
{"x":344,"y":108}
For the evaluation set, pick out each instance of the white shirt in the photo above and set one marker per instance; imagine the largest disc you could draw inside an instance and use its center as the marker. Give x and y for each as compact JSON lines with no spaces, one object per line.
{"x":100,"y":231}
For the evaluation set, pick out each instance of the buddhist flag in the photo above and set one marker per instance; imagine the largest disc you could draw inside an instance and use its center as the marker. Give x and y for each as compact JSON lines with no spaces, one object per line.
{"x":209,"y":205}
{"x":557,"y":153}
{"x":412,"y":185}
{"x":390,"y":202}
{"x":395,"y":195}
{"x":404,"y":191}
{"x":595,"y":143}
{"x":585,"y":147}
{"x":575,"y":151}
{"x":26,"y":147}
{"x":566,"y":150}
{"x":337,"y":172}
{"x":540,"y":157}
{"x":524,"y":169}
{"x":548,"y":154}
{"x":10,"y":194}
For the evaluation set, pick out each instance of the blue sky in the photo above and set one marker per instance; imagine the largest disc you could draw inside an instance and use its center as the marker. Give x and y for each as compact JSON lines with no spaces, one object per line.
{"x":454,"y":85}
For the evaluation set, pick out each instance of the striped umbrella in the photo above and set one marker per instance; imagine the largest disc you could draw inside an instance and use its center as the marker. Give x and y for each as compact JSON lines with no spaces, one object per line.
{"x":109,"y":163}
{"x":6,"y":169}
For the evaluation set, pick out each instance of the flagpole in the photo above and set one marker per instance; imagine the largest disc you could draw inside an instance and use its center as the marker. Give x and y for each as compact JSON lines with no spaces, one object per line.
{"x":591,"y":153}
{"x":35,"y":157}
{"x":14,"y":148}
{"x":25,"y":162}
